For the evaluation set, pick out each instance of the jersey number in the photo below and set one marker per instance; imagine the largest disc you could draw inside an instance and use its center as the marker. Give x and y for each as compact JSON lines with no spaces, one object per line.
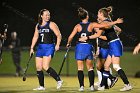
{"x":42,"y":37}
{"x":83,"y":34}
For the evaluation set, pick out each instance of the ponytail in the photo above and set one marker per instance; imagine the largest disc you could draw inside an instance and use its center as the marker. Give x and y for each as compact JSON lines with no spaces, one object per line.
{"x":82,"y":13}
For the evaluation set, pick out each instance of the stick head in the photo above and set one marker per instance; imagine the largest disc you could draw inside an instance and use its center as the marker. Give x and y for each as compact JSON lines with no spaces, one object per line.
{"x":24,"y":78}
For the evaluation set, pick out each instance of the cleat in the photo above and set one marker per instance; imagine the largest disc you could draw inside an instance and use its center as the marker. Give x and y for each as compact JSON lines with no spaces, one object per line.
{"x":127,"y":87}
{"x":81,"y":88}
{"x":101,"y":88}
{"x":59,"y":84}
{"x":113,"y":81}
{"x":39,"y":88}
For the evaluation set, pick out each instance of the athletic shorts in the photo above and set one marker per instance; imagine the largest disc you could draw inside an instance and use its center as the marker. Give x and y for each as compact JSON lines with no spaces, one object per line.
{"x":83,"y":51}
{"x":103,"y":53}
{"x":115,"y":48}
{"x":45,"y":50}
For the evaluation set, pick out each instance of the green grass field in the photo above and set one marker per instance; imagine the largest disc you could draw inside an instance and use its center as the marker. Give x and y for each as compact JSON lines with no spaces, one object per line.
{"x":12,"y":84}
{"x":70,"y":85}
{"x":130,"y":63}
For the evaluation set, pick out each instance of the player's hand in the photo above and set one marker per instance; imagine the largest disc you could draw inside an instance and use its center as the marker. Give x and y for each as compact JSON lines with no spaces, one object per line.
{"x":57,"y":47}
{"x":97,"y":53}
{"x":136,"y":50}
{"x":68,"y":45}
{"x":83,"y":39}
{"x":119,"y":20}
{"x":95,"y":56}
{"x":31,"y":51}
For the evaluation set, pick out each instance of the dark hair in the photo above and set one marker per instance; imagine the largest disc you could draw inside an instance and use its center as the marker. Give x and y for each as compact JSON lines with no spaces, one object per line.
{"x":40,"y":14}
{"x":107,"y":12}
{"x":82,"y":13}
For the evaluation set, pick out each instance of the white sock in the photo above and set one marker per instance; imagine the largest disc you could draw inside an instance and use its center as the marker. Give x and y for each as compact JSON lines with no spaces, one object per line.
{"x":99,"y":76}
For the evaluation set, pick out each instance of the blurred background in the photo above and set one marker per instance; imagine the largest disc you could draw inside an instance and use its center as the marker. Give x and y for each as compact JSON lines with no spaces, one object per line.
{"x":21,"y":17}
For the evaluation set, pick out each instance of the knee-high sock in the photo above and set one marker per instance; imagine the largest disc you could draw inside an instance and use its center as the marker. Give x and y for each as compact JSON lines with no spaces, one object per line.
{"x":81,"y":78}
{"x":40,"y":76}
{"x":91,"y":77}
{"x":53,"y":73}
{"x":99,"y":76}
{"x":123,"y":76}
{"x":105,"y":76}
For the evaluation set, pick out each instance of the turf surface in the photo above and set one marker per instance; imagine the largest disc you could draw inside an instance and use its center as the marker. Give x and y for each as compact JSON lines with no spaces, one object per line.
{"x":70,"y":85}
{"x":129,"y":63}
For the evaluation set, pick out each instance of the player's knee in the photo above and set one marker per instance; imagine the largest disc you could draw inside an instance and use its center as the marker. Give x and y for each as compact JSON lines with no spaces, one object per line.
{"x":99,"y":67}
{"x":116,"y":67}
{"x":46,"y":67}
{"x":106,"y":67}
{"x":39,"y":68}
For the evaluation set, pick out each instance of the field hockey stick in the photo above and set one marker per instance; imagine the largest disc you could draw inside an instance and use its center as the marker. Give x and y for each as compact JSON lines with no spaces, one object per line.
{"x":65,"y":56}
{"x":27,"y":66}
{"x":3,"y":39}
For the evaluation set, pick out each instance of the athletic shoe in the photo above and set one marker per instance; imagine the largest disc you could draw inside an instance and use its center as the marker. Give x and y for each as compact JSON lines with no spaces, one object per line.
{"x":113,"y":81}
{"x":101,"y":88}
{"x":126,"y":87}
{"x":59,"y":84}
{"x":92,"y":88}
{"x":81,"y":88}
{"x":39,"y":88}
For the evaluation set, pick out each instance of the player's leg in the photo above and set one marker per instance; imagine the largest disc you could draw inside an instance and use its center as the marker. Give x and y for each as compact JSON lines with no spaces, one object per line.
{"x":91,"y":74}
{"x":80,"y":74}
{"x":16,"y":59}
{"x":106,"y":73}
{"x":116,"y":66}
{"x":40,"y":74}
{"x":98,"y":68}
{"x":51,"y":71}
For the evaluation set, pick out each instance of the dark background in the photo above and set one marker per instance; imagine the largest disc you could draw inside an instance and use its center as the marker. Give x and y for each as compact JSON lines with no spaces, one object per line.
{"x":21,"y":16}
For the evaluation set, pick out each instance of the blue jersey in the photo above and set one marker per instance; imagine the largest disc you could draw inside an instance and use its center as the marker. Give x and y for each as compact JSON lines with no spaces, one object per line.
{"x":46,"y":45}
{"x":84,"y":32}
{"x":84,"y":50}
{"x":115,"y":45}
{"x":46,"y":35}
{"x":103,"y":43}
{"x":110,"y":33}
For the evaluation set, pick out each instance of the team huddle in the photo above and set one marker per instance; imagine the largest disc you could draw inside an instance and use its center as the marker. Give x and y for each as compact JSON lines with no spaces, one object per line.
{"x":109,"y":49}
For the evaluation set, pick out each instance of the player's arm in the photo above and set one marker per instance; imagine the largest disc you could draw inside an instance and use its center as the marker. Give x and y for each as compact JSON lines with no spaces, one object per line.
{"x":70,"y":38}
{"x":107,"y":24}
{"x":103,"y":37}
{"x":56,"y":31}
{"x":34,"y":40}
{"x":117,"y":29}
{"x":96,"y":35}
